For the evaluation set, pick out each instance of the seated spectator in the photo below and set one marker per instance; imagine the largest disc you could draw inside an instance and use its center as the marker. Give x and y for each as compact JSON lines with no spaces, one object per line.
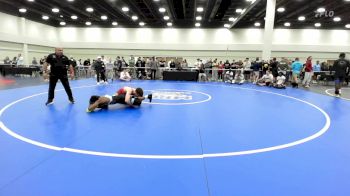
{"x":125,"y":76}
{"x":266,"y":80}
{"x":34,"y":62}
{"x":280,"y":81}
{"x":7,"y":61}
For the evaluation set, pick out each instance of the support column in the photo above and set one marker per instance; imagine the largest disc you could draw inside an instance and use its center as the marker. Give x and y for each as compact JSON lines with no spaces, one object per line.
{"x":25,"y":45}
{"x":269,"y":26}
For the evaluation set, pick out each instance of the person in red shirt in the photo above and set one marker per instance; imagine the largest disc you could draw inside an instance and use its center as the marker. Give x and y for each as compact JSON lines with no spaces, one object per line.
{"x":220,"y":71}
{"x":308,"y":72}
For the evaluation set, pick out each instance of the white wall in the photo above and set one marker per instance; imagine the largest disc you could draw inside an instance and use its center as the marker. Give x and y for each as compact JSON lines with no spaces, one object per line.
{"x":190,"y":43}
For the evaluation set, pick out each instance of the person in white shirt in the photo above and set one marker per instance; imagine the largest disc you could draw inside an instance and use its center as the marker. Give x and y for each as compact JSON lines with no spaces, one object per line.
{"x":266,"y":80}
{"x":280,"y":81}
{"x":20,"y":60}
{"x":125,"y":76}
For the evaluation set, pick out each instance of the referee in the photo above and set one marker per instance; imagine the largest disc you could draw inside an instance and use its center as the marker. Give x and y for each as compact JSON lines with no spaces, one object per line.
{"x":59,"y":64}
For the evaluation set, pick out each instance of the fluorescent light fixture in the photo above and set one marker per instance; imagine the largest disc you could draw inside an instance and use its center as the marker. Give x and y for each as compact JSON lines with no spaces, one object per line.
{"x":162,"y":9}
{"x":239,"y":10}
{"x":321,"y":10}
{"x":197,"y":24}
{"x":142,"y":24}
{"x":88,"y":23}
{"x":347,"y":26}
{"x":104,"y":17}
{"x":22,"y":10}
{"x":166,"y":17}
{"x":89,"y":9}
{"x":199,"y":18}
{"x":55,"y":10}
{"x":45,"y":18}
{"x":30,"y":0}
{"x":74,"y":17}
{"x":134,"y":18}
{"x":317,"y":24}
{"x":226,"y":25}
{"x":337,"y":19}
{"x":301,"y":18}
{"x":125,"y":9}
{"x":62,"y":23}
{"x":200,"y":9}
{"x":114,"y":23}
{"x":61,"y":16}
{"x":287,"y":24}
{"x":257,"y":24}
{"x":169,"y":24}
{"x":232,"y":19}
{"x":70,"y":0}
{"x":281,"y":9}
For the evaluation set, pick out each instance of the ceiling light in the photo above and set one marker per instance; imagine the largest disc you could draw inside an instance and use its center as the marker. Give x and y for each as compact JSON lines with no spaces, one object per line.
{"x":287,"y":24}
{"x":317,"y":24}
{"x":257,"y":24}
{"x":347,"y":26}
{"x":197,"y":24}
{"x":125,"y":9}
{"x":74,"y":17}
{"x":199,"y":18}
{"x":134,"y":17}
{"x":169,"y":24}
{"x":142,"y":24}
{"x":166,"y":17}
{"x":156,"y":0}
{"x":22,"y":10}
{"x":239,"y":10}
{"x":104,"y":17}
{"x":114,"y":23}
{"x":30,"y":0}
{"x":337,"y":19}
{"x":226,"y":25}
{"x":200,"y":9}
{"x":55,"y":10}
{"x":45,"y":18}
{"x":232,"y":19}
{"x":70,"y":0}
{"x":62,"y":23}
{"x":301,"y":18}
{"x":281,"y":9}
{"x":321,"y":9}
{"x":162,"y":9}
{"x":88,"y":23}
{"x":89,"y":9}
{"x":61,"y":16}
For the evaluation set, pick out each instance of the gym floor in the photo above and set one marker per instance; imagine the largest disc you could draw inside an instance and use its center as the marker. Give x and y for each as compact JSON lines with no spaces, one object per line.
{"x":193,"y":139}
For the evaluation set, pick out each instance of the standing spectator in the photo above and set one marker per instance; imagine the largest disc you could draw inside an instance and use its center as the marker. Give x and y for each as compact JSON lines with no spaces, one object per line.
{"x":256,"y":67}
{"x":296,"y":68}
{"x":14,"y":61}
{"x":274,"y":68}
{"x":246,"y":65}
{"x":154,"y":67}
{"x":308,"y":72}
{"x":59,"y":64}
{"x":342,"y":69}
{"x":20,"y":60}
{"x":34,"y":62}
{"x":7,"y":60}
{"x":317,"y":70}
{"x":215,"y":67}
{"x":220,"y":71}
{"x":172,"y":64}
{"x":100,"y":70}
{"x":139,"y":69}
{"x":184,"y":64}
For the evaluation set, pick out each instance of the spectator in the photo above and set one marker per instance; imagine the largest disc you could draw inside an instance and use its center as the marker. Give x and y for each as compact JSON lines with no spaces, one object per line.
{"x":7,"y":61}
{"x":280,"y":81}
{"x":256,"y":67}
{"x":266,"y":80}
{"x":34,"y":61}
{"x":308,"y":72}
{"x":154,"y":67}
{"x":100,"y":71}
{"x":296,"y":68}
{"x":220,"y":71}
{"x":342,"y":69}
{"x":20,"y":60}
{"x":125,"y":76}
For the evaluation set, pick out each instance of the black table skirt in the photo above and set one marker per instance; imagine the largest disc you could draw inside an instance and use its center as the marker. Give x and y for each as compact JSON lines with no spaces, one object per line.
{"x":180,"y":75}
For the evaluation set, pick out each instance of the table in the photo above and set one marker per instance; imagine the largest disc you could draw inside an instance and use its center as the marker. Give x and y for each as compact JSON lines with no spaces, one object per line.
{"x":19,"y":70}
{"x":180,"y":75}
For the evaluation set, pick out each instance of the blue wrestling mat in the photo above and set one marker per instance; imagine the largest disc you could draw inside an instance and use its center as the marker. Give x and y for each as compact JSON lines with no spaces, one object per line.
{"x":193,"y":139}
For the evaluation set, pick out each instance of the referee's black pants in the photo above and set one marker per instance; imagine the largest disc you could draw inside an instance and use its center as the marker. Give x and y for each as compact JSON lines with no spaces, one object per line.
{"x":65,"y":83}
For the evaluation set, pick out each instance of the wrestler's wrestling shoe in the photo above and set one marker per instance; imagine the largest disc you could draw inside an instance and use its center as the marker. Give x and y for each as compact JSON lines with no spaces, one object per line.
{"x":150,"y":97}
{"x":88,"y":111}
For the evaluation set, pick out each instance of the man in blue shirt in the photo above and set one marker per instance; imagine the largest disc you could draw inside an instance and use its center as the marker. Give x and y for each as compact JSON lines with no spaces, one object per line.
{"x":317,"y":67}
{"x":296,"y":68}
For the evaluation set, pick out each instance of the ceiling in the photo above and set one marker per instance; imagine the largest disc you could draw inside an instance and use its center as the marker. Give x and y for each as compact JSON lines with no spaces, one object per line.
{"x":182,"y":13}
